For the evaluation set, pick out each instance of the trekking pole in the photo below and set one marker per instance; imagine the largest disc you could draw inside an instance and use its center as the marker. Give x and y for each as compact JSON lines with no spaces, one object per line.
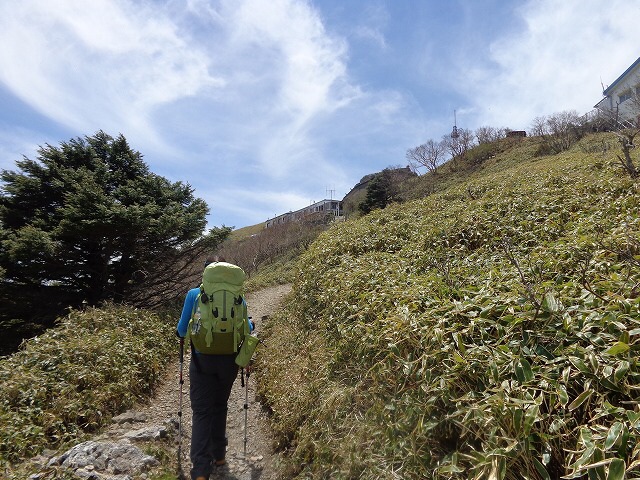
{"x":181,"y":383}
{"x":245,"y":384}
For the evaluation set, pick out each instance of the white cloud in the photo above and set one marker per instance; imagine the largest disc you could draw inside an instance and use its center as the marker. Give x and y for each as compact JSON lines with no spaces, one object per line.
{"x":106,"y":65}
{"x":374,"y":17}
{"x":556,"y":63}
{"x":301,"y":72}
{"x":236,"y":95}
{"x":256,"y":205}
{"x":262,"y":72}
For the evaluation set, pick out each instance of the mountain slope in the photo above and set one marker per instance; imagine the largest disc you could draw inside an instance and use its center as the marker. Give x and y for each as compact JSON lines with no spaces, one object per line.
{"x":489,"y":330}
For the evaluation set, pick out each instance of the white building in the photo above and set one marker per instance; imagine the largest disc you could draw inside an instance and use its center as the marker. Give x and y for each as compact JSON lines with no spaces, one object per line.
{"x":618,"y":102}
{"x":331,"y":207}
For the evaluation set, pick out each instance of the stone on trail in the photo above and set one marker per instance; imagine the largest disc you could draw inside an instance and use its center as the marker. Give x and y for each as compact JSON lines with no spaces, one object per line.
{"x":90,"y":459}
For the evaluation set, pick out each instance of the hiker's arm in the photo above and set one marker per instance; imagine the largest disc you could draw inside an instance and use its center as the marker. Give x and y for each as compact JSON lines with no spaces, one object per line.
{"x":187,"y":310}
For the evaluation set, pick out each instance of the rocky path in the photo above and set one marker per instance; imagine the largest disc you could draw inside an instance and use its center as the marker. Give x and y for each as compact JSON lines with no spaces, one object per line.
{"x":113,"y":456}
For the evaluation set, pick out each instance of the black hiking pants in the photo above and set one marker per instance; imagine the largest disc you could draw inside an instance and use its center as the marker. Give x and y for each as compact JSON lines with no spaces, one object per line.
{"x":211,"y":378}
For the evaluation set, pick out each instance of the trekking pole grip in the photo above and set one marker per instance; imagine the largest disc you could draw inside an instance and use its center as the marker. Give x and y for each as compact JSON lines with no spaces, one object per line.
{"x":181,"y":349}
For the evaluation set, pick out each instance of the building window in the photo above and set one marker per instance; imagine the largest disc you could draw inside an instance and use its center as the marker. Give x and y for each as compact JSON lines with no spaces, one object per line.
{"x":625,"y":96}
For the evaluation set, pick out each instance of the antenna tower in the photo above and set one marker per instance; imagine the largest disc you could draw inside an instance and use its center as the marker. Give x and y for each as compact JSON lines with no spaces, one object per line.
{"x":454,"y":132}
{"x":331,"y":192}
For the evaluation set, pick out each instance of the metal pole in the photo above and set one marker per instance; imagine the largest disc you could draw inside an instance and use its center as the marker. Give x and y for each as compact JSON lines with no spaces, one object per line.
{"x":180,"y":472}
{"x":246,"y":410}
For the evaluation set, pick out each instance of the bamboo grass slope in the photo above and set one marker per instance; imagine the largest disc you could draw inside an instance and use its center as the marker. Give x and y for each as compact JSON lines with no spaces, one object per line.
{"x":488,"y":331}
{"x":72,"y":379}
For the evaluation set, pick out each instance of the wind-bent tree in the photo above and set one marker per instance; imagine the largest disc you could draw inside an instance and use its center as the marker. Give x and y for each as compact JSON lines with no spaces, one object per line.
{"x":459,"y":145}
{"x":88,"y":222}
{"x":430,"y":155}
{"x":558,"y":131}
{"x":486,"y":134}
{"x":626,"y":140}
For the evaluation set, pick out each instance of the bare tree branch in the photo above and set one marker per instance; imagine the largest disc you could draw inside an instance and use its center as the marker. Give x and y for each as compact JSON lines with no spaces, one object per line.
{"x":429,"y":155}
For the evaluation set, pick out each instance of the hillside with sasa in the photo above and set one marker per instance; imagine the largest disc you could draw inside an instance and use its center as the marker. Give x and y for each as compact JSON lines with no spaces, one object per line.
{"x":488,"y":331}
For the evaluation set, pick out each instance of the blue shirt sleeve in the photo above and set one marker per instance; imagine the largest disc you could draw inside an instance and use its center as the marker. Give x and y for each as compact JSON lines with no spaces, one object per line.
{"x":249,"y":321}
{"x":187,"y":311}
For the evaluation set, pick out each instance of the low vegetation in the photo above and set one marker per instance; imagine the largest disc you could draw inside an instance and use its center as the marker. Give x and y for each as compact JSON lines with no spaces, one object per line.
{"x":490,"y":330}
{"x":268,"y":255}
{"x":72,"y":379}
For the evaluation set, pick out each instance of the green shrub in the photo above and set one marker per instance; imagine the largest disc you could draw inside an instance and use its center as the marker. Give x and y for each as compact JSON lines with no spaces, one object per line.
{"x":278,"y":273}
{"x":482,"y":152}
{"x":496,"y":337}
{"x":72,"y":379}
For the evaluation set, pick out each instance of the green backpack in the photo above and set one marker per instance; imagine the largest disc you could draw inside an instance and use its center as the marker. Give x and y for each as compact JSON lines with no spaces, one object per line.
{"x":219,"y":321}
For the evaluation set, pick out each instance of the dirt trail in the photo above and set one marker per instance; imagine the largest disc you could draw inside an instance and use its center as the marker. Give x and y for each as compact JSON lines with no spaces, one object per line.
{"x":259,"y":462}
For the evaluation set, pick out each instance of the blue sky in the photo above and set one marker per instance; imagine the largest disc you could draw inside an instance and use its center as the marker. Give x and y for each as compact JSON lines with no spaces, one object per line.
{"x":265,"y":106}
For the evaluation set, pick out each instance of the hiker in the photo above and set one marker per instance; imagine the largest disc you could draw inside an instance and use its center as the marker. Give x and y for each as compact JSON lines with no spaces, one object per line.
{"x":212,"y":371}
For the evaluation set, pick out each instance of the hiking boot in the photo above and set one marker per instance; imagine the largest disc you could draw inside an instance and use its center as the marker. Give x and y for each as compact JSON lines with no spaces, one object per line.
{"x":220,"y":462}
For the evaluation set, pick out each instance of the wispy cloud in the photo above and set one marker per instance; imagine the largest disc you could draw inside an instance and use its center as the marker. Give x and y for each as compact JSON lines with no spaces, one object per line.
{"x":256,"y":205}
{"x":107,"y":66}
{"x":555,"y":63}
{"x":372,"y":23}
{"x":282,"y":99}
{"x":292,"y":71}
{"x":262,"y":73}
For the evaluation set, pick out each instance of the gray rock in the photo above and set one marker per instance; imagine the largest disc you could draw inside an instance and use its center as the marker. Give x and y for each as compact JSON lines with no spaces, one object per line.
{"x":149,"y":433}
{"x":173,"y":424}
{"x":87,"y":474}
{"x":119,"y":458}
{"x":130,"y":416}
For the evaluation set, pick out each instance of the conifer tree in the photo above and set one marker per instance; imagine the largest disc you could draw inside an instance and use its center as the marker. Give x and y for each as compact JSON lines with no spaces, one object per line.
{"x":87,"y":221}
{"x":379,"y":192}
